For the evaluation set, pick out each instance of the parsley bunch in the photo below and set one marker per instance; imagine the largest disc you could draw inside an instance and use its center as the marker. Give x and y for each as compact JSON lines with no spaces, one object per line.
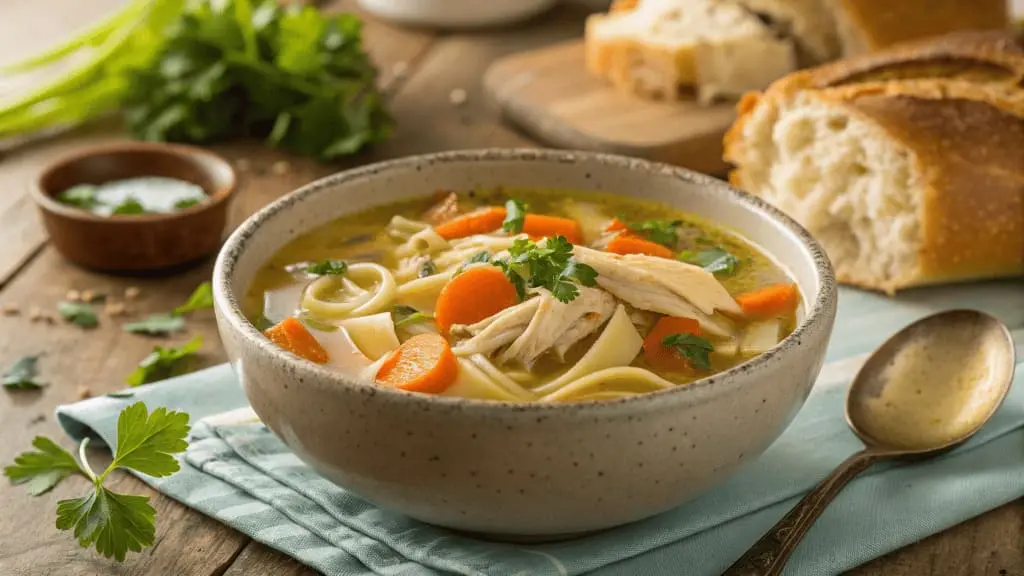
{"x":550,"y":266}
{"x":115,"y":523}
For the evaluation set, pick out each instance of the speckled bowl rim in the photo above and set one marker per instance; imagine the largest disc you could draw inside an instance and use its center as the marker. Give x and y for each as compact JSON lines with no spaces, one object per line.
{"x":222,"y":194}
{"x":819,"y":314}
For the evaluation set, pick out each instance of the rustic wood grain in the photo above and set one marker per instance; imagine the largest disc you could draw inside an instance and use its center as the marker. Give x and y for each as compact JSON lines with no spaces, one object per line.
{"x":550,"y":94}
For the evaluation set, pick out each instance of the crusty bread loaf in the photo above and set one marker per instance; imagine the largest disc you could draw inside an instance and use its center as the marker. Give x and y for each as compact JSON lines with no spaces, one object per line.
{"x":907,"y":164}
{"x":672,"y":49}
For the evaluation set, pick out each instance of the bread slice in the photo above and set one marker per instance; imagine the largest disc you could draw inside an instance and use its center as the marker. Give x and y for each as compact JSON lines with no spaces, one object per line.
{"x":867,"y":25}
{"x":907,"y":165}
{"x":670,"y":49}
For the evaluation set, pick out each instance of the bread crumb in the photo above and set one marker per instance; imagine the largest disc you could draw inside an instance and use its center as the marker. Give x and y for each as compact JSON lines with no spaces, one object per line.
{"x":83,"y":392}
{"x":73,"y":296}
{"x":90,"y":296}
{"x":400,"y":69}
{"x":132,"y":292}
{"x":35,"y":314}
{"x":280,"y":168}
{"x":11,"y":310}
{"x":113,"y":308}
{"x":242,"y":164}
{"x":457,"y":97}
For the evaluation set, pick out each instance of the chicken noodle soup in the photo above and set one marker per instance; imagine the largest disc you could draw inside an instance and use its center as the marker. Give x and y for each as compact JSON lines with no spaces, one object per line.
{"x":524,"y":295}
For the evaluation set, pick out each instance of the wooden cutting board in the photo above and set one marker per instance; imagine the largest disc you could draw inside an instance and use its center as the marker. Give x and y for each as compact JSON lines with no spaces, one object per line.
{"x":549,"y":94}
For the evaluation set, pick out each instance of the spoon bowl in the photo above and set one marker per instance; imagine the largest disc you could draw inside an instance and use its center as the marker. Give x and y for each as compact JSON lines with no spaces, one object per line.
{"x":926,"y":390}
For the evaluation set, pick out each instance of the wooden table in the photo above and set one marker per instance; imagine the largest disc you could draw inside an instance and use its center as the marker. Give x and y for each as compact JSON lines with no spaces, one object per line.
{"x":32,"y":275}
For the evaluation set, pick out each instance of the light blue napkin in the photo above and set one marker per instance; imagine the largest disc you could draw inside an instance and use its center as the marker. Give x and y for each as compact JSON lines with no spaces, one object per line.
{"x":236,"y":471}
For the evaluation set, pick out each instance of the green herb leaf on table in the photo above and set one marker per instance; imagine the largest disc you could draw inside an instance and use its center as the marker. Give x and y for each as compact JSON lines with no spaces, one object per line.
{"x":22,"y":375}
{"x":662,"y":232}
{"x":549,"y":265}
{"x":129,"y":206}
{"x":515,"y":216}
{"x":405,"y":315}
{"x":79,"y":313}
{"x":81,"y":196}
{"x":43,"y":468}
{"x":693,"y":348}
{"x":201,"y":298}
{"x":714,"y":260}
{"x":164,"y":363}
{"x":328,"y":268}
{"x":157,"y":324}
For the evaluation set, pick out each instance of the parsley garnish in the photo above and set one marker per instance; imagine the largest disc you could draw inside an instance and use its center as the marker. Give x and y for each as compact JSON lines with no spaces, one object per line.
{"x":328,"y":268}
{"x":714,"y":260}
{"x":428,"y":268}
{"x":549,"y":266}
{"x":115,"y":523}
{"x":186,"y":203}
{"x":129,"y":206}
{"x":480,"y":257}
{"x":515,"y":216}
{"x":22,"y":374}
{"x":201,"y":298}
{"x":156,"y":324}
{"x":164,"y":363}
{"x":693,"y":348}
{"x":82,"y":196}
{"x":660,"y":231}
{"x":405,"y":315}
{"x":80,"y":313}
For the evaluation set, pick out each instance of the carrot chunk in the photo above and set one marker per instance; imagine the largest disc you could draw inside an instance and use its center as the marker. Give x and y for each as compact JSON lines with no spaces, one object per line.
{"x":475,"y":294}
{"x":424,"y":363}
{"x":657,"y":354}
{"x":625,"y":243}
{"x":541,"y":226}
{"x":773,"y":300}
{"x":616,"y":225}
{"x":291,"y":335}
{"x":482,"y":221}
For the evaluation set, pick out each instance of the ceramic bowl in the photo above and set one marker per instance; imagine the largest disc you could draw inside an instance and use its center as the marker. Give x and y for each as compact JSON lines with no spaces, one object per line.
{"x":141,"y":242}
{"x":515,"y":471}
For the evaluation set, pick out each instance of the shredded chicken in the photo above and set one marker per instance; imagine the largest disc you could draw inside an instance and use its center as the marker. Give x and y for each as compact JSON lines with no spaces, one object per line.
{"x":662,"y":285}
{"x":536,"y":326}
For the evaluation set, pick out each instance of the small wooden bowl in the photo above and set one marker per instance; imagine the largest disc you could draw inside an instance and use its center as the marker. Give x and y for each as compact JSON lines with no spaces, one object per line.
{"x":140,"y":242}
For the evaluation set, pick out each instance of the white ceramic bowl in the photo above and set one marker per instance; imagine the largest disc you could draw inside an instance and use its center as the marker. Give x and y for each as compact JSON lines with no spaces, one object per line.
{"x":525,"y":470}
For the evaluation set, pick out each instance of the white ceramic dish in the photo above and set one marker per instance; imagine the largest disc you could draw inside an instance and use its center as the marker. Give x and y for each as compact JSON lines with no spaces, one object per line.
{"x":456,"y":13}
{"x":525,"y":470}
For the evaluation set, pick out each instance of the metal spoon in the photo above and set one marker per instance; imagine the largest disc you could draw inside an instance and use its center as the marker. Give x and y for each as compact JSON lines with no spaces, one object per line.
{"x":929,"y":388}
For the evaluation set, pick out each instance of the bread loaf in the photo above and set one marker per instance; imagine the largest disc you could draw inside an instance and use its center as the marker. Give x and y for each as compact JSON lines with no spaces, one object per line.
{"x":673,"y":49}
{"x":907,"y":164}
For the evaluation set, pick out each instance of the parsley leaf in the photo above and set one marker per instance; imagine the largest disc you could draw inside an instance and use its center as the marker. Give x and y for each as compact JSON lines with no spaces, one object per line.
{"x":714,"y":260}
{"x":146,"y":442}
{"x":115,"y":523}
{"x":156,"y":324}
{"x":81,"y":196}
{"x":328,"y":268}
{"x":43,"y":469}
{"x":186,"y":203}
{"x":428,"y":268}
{"x":22,"y":374}
{"x":482,"y":257}
{"x":660,"y":231}
{"x":550,"y":266}
{"x":201,"y":298}
{"x":80,"y":313}
{"x":164,"y":363}
{"x":405,"y":315}
{"x":515,"y":217}
{"x":129,"y":206}
{"x":693,"y":348}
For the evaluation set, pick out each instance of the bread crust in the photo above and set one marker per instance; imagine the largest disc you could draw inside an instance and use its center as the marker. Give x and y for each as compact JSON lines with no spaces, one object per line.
{"x":957,"y":106}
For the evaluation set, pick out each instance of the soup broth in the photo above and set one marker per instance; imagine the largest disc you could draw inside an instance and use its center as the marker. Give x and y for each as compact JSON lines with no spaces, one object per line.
{"x":524,"y":295}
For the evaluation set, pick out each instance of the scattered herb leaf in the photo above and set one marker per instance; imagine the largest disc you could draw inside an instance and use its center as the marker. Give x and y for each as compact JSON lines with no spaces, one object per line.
{"x":80,"y":313}
{"x":714,"y":260}
{"x":515,"y":216}
{"x":22,"y":374}
{"x":201,"y":298}
{"x":693,"y":348}
{"x":164,"y":363}
{"x":428,"y":268}
{"x":328,"y":268}
{"x":663,"y":232}
{"x":129,"y":206}
{"x":156,"y":324}
{"x":43,"y":469}
{"x":405,"y":315}
{"x":186,"y":203}
{"x":480,"y":257}
{"x":550,"y":266}
{"x":82,"y":196}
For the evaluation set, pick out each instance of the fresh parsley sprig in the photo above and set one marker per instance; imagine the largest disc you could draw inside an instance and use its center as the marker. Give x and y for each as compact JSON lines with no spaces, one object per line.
{"x":693,"y":348}
{"x":327,"y":268}
{"x":164,"y":363}
{"x":550,"y":266}
{"x":515,"y":216}
{"x":112,"y":522}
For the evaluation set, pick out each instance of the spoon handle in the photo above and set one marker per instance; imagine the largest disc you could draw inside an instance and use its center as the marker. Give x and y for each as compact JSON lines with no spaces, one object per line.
{"x":768,"y":556}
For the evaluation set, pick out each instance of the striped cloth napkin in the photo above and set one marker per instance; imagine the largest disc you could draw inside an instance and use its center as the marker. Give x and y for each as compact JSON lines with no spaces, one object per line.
{"x":236,"y":471}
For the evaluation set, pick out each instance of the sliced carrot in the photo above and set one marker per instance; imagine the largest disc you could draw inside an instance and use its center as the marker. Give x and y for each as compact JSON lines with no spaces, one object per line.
{"x":481,"y":221}
{"x":656,"y":354}
{"x":773,"y":300}
{"x":616,"y":225}
{"x":291,"y":335}
{"x":541,"y":226}
{"x":625,"y":243}
{"x":475,"y":294}
{"x":423,"y":363}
